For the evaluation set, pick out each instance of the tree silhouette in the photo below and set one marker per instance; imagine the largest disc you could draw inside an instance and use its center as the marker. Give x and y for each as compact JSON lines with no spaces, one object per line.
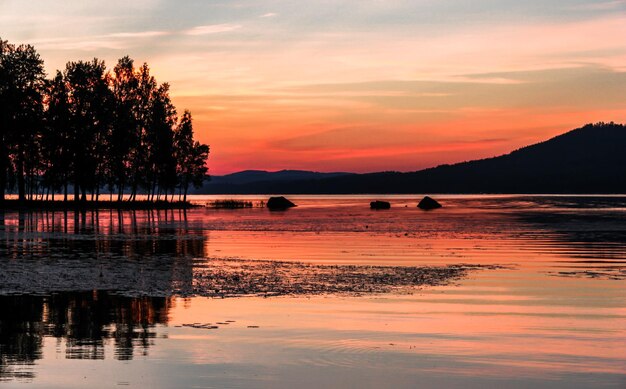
{"x":125,"y":136}
{"x":4,"y":119}
{"x":92,"y":130}
{"x":89,"y":113}
{"x":21,"y":105}
{"x":56,"y":136}
{"x":190,"y":156}
{"x":161,"y":168}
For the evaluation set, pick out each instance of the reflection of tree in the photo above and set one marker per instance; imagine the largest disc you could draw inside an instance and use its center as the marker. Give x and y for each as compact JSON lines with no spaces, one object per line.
{"x":153,"y":250}
{"x":108,"y":250}
{"x":86,"y":321}
{"x":134,"y":233}
{"x":20,"y":336}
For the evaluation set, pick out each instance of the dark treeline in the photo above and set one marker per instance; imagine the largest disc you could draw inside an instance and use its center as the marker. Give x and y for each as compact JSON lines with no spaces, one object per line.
{"x":88,"y":130}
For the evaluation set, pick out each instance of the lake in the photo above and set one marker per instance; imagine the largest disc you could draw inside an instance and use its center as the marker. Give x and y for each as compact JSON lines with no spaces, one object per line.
{"x":145,"y":299}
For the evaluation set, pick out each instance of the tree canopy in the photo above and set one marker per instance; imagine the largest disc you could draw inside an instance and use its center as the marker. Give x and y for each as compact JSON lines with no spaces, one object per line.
{"x":92,"y":130}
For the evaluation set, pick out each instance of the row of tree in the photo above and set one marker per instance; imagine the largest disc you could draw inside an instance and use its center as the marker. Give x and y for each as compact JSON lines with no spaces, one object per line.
{"x":92,"y":130}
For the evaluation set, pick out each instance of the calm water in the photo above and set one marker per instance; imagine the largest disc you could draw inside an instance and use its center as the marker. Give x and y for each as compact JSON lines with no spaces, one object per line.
{"x":555,"y":316}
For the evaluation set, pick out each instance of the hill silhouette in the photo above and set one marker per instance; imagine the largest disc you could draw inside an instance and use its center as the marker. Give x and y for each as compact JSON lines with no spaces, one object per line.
{"x":590,"y":159}
{"x":245,"y":181}
{"x":248,"y":176}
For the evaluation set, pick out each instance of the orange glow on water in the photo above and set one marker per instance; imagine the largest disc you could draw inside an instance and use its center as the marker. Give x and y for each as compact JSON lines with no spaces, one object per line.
{"x":552,"y":310}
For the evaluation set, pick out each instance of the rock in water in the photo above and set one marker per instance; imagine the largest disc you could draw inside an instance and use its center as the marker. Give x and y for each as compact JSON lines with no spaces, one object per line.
{"x":279,"y":203}
{"x":380,"y":205}
{"x":428,"y":203}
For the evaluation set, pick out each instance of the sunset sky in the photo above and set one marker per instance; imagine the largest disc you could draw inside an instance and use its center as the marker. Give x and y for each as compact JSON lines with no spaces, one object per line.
{"x":357,"y":85}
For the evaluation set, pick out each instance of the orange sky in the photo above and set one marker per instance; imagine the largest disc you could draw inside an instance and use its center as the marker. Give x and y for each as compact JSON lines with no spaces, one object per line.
{"x":355,"y":85}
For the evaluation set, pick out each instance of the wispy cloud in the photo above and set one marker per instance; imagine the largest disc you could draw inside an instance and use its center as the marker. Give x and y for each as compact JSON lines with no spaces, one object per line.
{"x":604,"y":6}
{"x":139,"y":34}
{"x":213,"y":29}
{"x":114,"y":41}
{"x":392,"y":73}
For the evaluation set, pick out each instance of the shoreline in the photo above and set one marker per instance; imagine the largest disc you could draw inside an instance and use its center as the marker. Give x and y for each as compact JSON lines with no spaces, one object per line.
{"x":71,"y":205}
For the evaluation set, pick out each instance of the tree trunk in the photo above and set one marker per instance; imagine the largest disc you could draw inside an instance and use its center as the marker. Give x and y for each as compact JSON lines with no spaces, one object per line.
{"x":21,"y":182}
{"x":76,"y":191}
{"x":4,"y":164}
{"x":3,"y":184}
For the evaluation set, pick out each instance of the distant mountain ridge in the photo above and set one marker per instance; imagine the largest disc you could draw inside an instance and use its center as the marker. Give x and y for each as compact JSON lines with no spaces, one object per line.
{"x":233,"y":181}
{"x":590,"y":159}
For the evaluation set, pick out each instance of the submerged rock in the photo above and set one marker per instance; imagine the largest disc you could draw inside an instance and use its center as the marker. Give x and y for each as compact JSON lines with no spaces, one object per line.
{"x":278,"y":203}
{"x":380,"y":205}
{"x":428,"y":203}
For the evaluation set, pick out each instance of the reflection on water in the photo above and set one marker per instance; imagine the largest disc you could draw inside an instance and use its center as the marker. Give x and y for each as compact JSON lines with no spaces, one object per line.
{"x":553,"y":319}
{"x":147,"y":252}
{"x":81,"y":321}
{"x":128,"y":233}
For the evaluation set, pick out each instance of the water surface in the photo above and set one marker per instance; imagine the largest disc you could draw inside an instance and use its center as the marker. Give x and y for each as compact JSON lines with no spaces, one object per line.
{"x":553,"y":315}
